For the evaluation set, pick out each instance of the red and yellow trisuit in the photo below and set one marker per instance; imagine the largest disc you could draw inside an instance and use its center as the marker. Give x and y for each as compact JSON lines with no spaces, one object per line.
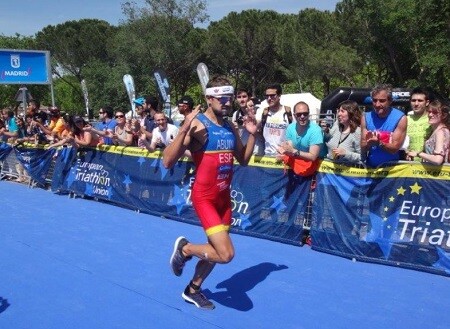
{"x":211,"y":188}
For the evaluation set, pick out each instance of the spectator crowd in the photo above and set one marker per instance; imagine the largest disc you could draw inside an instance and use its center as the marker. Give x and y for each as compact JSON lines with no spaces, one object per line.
{"x":364,"y":137}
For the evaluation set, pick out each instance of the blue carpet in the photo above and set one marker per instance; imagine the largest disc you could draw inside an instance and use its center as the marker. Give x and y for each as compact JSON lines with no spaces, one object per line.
{"x":75,"y":263}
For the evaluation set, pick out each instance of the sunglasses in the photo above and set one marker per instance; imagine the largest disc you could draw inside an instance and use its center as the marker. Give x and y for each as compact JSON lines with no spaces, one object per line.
{"x":271,"y":95}
{"x":120,"y":116}
{"x":224,"y":99}
{"x":302,"y":114}
{"x":101,"y":112}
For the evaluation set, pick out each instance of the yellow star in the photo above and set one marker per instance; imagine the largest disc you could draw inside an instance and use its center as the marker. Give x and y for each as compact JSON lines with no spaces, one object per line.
{"x":401,"y":191}
{"x":415,"y":188}
{"x":391,"y":199}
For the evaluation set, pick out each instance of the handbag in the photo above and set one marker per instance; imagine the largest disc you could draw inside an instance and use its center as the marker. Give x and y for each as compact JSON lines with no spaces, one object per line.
{"x":300,"y":166}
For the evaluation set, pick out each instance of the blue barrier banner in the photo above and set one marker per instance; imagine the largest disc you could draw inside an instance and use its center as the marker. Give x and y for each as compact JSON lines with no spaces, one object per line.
{"x":397,"y":215}
{"x":5,"y":149}
{"x":25,"y":67}
{"x":36,"y":161}
{"x":137,"y":179}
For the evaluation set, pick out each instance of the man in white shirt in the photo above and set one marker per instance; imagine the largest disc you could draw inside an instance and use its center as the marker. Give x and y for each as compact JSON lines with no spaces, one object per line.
{"x":273,"y":120}
{"x":162,"y":135}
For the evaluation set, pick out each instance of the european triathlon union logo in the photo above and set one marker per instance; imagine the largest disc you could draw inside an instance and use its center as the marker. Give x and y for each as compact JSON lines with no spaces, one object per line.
{"x":15,"y":61}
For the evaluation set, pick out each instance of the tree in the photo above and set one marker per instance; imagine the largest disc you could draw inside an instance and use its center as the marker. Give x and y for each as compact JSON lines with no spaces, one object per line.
{"x":312,"y":50}
{"x":431,"y":45}
{"x":383,"y":35}
{"x":244,"y":45}
{"x":73,"y":45}
{"x":193,"y":11}
{"x":161,"y":36}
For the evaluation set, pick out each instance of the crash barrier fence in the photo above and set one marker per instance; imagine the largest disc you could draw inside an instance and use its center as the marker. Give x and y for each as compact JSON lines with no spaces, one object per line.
{"x":397,"y":215}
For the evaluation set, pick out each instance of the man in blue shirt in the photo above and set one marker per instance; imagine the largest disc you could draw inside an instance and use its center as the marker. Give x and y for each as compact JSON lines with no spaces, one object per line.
{"x":383,"y":130}
{"x":107,"y":124}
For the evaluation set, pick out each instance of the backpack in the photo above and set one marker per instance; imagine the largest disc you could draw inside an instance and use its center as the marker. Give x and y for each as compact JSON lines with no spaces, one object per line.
{"x":287,"y":114}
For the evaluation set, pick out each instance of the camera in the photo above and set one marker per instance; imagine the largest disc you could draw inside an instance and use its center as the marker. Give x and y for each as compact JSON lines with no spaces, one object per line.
{"x":240,"y":121}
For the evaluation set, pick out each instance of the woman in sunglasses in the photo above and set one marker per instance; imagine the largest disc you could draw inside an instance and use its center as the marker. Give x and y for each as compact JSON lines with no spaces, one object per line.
{"x":436,"y":147}
{"x":123,"y":134}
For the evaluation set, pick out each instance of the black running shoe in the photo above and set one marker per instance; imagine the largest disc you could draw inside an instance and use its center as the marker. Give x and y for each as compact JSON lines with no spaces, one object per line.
{"x":198,"y":299}
{"x":177,"y":260}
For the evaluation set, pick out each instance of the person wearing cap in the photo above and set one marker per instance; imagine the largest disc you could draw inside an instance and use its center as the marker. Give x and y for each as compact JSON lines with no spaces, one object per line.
{"x":138,"y":104}
{"x":185,"y":106}
{"x":213,"y":142}
{"x":81,"y":137}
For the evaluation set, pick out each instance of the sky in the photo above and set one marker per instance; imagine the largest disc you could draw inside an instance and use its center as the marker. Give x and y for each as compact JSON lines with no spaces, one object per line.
{"x":27,"y":17}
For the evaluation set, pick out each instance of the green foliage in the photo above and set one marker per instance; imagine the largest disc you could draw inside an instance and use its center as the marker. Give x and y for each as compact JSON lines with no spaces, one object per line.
{"x":361,"y":43}
{"x":74,"y":44}
{"x":67,"y":98}
{"x":244,"y":45}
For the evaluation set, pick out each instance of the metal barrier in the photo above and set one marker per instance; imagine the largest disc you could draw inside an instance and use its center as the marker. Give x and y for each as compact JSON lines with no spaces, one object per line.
{"x":10,"y":166}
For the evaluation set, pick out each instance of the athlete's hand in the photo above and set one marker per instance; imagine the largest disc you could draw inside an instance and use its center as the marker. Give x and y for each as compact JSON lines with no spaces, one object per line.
{"x":250,"y":123}
{"x":190,"y":117}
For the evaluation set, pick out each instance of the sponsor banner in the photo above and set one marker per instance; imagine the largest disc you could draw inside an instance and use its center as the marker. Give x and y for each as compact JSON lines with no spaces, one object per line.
{"x":276,"y":210}
{"x":5,"y":149}
{"x":163,"y":84}
{"x":401,"y":218}
{"x":36,"y":161}
{"x":416,"y":170}
{"x":25,"y":67}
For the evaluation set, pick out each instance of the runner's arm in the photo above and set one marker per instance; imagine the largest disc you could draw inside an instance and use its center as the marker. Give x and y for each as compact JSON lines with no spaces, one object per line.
{"x":180,"y":144}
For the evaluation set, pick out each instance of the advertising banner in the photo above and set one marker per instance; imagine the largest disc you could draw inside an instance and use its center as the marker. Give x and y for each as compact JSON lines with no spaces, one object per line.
{"x":397,"y":215}
{"x":25,"y":67}
{"x":36,"y":161}
{"x":137,"y":179}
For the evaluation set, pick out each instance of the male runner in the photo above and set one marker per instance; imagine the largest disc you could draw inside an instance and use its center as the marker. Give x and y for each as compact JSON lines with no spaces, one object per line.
{"x":213,"y":141}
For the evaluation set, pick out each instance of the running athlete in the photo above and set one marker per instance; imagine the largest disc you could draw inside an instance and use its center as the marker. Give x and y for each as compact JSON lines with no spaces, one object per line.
{"x":213,"y":142}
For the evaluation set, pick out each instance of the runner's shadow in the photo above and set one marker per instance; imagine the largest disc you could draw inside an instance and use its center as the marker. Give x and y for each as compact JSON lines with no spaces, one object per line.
{"x":3,"y":304}
{"x":236,"y":288}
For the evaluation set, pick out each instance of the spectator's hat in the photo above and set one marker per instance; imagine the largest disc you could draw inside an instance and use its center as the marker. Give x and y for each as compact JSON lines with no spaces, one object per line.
{"x":139,"y":101}
{"x":78,"y":119}
{"x":186,"y":100}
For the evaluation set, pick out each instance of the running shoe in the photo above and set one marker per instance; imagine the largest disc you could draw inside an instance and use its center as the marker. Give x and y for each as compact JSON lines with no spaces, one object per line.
{"x":198,"y":299}
{"x":178,"y":260}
